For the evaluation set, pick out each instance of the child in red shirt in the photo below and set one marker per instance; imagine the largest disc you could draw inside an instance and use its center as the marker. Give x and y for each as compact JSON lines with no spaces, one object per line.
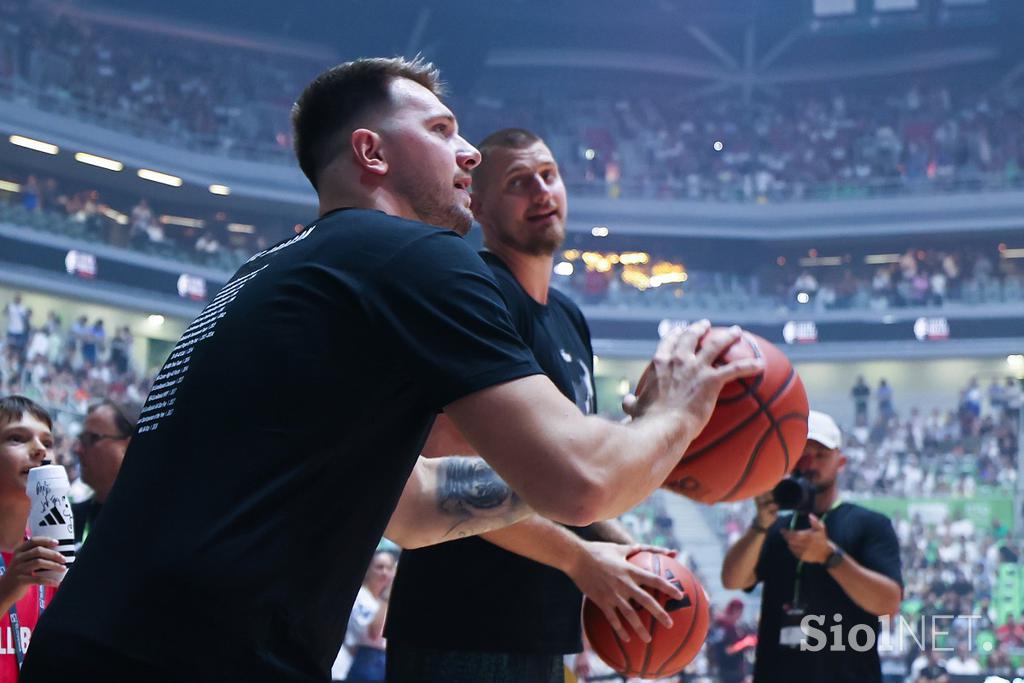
{"x":26,"y":439}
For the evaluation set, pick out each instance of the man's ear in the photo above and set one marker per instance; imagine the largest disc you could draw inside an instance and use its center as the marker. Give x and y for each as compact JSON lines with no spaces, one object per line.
{"x":366,"y":149}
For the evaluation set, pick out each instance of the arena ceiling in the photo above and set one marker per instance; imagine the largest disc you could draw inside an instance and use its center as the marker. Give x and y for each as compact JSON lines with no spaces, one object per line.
{"x":708,"y":43}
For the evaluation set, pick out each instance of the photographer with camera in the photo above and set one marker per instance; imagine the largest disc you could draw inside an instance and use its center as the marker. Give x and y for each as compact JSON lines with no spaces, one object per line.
{"x":830,"y":569}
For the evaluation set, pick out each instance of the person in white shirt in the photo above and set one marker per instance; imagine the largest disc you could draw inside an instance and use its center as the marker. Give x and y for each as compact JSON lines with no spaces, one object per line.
{"x":17,"y":324}
{"x":963,"y":664}
{"x":361,"y":659}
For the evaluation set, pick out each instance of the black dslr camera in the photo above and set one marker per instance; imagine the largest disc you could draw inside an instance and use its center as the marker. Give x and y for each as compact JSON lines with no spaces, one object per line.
{"x":794,"y":493}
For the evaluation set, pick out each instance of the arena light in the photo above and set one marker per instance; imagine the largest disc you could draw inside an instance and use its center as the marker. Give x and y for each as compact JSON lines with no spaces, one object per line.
{"x":156,"y":320}
{"x":803,"y":297}
{"x":158,"y":177}
{"x":596,"y":261}
{"x":821,"y":261}
{"x":634,"y":258}
{"x":668,"y":278}
{"x":37,"y":145}
{"x":101,"y":162}
{"x":8,"y":186}
{"x":115,"y":215}
{"x":1016,"y":362}
{"x":1012,"y":253}
{"x":183,"y":221}
{"x":878,"y":259}
{"x":599,"y":231}
{"x":222,"y":190}
{"x":571,"y":254}
{"x":244,"y":228}
{"x":563,"y":268}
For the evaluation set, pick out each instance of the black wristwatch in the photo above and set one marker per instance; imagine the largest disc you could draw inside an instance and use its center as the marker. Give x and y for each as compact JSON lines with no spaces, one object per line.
{"x":835,"y":559}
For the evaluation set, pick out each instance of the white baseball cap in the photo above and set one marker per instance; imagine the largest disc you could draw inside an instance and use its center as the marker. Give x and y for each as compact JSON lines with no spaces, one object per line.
{"x":823,"y":429}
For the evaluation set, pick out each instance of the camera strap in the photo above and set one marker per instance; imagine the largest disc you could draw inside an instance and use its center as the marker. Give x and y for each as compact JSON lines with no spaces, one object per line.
{"x":12,"y":613}
{"x":800,"y":564}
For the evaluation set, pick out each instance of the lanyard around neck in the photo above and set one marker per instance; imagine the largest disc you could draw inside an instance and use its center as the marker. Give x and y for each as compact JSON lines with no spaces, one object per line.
{"x":800,"y":564}
{"x":12,"y":613}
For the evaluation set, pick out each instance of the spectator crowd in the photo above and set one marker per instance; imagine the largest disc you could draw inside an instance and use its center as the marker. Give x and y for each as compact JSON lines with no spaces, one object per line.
{"x":51,"y":205}
{"x":951,"y":562}
{"x":849,"y":141}
{"x":916,"y":277}
{"x":67,"y":366}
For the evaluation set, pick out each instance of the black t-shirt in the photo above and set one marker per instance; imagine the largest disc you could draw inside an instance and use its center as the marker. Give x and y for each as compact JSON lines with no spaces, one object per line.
{"x":274,"y":446}
{"x":864,"y":535}
{"x":932,"y":672}
{"x":85,"y":513}
{"x":470,"y":594}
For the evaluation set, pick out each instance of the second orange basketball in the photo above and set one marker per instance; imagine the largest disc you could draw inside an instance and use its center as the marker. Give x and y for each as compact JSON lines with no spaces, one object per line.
{"x":670,"y":649}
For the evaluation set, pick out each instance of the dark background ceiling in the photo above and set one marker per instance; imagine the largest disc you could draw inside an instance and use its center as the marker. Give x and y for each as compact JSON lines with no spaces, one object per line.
{"x":464,"y":36}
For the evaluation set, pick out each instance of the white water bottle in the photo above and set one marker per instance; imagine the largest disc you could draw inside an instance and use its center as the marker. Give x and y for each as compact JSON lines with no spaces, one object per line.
{"x":50,"y":514}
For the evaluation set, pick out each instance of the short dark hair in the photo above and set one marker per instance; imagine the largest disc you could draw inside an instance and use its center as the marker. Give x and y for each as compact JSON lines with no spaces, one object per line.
{"x":330,"y":103}
{"x":126,"y":414}
{"x":13,"y":407}
{"x":506,"y":138}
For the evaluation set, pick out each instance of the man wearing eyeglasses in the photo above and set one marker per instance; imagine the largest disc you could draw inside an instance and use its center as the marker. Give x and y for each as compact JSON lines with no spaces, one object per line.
{"x":100,"y":448}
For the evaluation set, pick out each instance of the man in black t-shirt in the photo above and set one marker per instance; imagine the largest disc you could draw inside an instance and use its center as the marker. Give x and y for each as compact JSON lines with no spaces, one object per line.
{"x":861,"y":392}
{"x":436,"y":630}
{"x":281,"y":432}
{"x":932,"y":671}
{"x":835,"y":568}
{"x":100,"y":448}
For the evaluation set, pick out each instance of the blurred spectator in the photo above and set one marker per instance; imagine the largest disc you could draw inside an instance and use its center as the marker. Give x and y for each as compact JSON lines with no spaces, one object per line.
{"x":962,"y":663}
{"x":1011,"y":633}
{"x":142,"y":221}
{"x":884,"y":396}
{"x":100,"y":449}
{"x":929,"y":670}
{"x":361,"y":659}
{"x":30,"y":194}
{"x":120,"y":349}
{"x":26,"y":440}
{"x":860,"y":393}
{"x":17,"y":324}
{"x":728,"y":643}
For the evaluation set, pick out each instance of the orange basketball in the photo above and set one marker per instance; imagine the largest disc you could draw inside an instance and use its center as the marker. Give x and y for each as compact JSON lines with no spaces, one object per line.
{"x":670,"y":650}
{"x":756,"y":433}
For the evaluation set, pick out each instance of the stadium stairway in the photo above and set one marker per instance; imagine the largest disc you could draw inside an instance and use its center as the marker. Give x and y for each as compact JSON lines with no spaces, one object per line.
{"x":698,"y":538}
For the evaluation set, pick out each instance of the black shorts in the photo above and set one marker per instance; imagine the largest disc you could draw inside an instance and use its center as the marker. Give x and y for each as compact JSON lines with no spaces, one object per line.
{"x":423,"y":665}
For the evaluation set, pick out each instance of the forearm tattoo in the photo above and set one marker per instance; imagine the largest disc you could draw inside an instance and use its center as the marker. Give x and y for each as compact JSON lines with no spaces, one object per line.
{"x":475,"y":497}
